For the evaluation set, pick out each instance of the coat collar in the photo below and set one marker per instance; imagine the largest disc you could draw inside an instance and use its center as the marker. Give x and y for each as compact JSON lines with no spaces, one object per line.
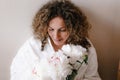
{"x":49,"y":48}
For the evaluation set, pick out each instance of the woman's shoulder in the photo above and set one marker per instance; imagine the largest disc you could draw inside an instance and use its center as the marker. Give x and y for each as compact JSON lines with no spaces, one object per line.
{"x":31,"y":43}
{"x":91,"y":49}
{"x":29,"y":48}
{"x":25,"y":57}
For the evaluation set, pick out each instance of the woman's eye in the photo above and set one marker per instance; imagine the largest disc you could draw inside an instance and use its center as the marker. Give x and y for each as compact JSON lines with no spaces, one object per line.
{"x":50,"y":29}
{"x":62,"y":30}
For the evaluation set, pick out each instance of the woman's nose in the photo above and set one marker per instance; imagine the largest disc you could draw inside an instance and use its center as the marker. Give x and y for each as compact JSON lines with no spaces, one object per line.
{"x":56,"y":34}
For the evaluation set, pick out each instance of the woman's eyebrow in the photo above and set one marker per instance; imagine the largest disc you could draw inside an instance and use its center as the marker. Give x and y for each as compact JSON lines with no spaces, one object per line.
{"x":50,"y":27}
{"x":59,"y":28}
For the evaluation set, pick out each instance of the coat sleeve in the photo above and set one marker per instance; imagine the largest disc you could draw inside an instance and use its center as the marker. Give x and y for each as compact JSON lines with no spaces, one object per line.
{"x":91,"y":72}
{"x":20,"y":68}
{"x":19,"y":65}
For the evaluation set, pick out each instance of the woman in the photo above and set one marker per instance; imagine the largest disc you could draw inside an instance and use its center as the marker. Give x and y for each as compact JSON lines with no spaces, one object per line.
{"x":60,"y":48}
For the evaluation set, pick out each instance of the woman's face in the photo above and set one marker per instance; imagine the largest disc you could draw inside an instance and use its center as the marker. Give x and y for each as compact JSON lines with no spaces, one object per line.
{"x":57,"y":31}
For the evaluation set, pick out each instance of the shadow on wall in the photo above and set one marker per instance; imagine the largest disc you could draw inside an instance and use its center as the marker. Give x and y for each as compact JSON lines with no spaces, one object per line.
{"x":106,"y":40}
{"x":105,"y":35}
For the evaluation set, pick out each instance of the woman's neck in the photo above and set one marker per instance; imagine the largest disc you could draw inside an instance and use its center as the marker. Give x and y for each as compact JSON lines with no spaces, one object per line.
{"x":56,"y":48}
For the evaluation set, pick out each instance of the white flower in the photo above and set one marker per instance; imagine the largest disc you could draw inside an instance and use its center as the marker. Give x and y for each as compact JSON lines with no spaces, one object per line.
{"x":75,"y":52}
{"x":58,"y":65}
{"x":66,"y":48}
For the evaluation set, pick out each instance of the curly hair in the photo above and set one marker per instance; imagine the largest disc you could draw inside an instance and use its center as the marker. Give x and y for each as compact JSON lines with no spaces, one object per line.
{"x":75,"y":21}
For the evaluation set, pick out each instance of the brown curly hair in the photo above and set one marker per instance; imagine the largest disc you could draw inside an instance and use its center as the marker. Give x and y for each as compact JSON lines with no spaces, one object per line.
{"x":75,"y":21}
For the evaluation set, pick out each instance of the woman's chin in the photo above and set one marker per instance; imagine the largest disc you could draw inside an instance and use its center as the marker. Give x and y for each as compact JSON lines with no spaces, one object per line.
{"x":58,"y":43}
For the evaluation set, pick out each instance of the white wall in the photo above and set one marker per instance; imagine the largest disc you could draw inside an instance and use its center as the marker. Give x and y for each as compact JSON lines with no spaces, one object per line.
{"x":104,"y":15}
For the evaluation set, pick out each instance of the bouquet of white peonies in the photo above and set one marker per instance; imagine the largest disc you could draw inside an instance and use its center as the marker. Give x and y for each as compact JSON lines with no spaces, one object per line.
{"x":61,"y":65}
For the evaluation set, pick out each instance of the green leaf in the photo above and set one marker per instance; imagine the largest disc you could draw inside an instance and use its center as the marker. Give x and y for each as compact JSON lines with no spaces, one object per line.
{"x":72,"y":76}
{"x":86,"y":59}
